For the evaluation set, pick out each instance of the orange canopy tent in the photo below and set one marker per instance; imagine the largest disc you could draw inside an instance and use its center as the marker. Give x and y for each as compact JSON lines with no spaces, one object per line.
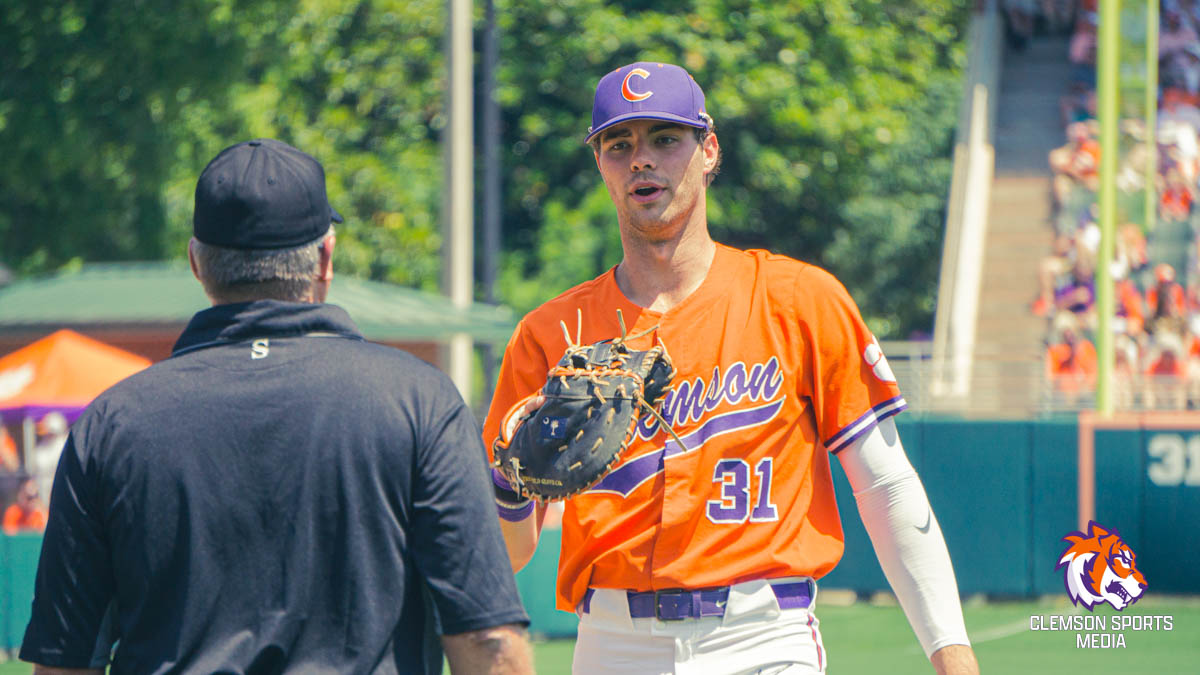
{"x":63,"y":371}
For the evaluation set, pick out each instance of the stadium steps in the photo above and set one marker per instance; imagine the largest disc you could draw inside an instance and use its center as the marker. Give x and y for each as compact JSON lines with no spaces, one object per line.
{"x":1008,"y":337}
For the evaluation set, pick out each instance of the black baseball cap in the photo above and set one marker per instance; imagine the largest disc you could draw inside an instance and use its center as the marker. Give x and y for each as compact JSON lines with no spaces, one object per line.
{"x":262,"y":194}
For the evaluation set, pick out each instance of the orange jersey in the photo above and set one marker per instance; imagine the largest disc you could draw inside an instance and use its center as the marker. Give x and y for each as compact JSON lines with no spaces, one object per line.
{"x":775,"y":368}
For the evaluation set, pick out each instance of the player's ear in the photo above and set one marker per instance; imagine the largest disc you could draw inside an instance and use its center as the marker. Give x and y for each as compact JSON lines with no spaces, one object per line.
{"x":711,"y":150}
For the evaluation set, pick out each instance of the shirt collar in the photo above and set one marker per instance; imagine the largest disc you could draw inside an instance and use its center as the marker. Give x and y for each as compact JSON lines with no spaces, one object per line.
{"x":242,"y":321}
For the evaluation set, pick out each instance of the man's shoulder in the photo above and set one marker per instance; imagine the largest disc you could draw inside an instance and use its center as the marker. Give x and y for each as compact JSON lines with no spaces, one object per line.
{"x":355,"y":358}
{"x":787,"y":273}
{"x":565,"y":304}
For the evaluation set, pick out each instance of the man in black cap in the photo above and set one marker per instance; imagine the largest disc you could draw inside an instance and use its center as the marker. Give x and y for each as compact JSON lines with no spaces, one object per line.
{"x":279,"y":495}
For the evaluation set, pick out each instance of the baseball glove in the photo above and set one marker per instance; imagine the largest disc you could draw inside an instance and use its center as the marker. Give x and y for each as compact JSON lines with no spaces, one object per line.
{"x":587,"y":416}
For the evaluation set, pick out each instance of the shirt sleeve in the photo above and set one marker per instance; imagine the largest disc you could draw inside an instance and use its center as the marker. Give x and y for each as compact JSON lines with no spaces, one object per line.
{"x":457,"y":546}
{"x":522,"y":372}
{"x":852,"y":387}
{"x":75,"y":582}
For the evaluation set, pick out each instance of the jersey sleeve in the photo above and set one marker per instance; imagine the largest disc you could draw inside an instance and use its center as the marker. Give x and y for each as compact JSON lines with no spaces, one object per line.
{"x":75,"y":583}
{"x":852,"y":386}
{"x":522,"y":372}
{"x":457,"y":547}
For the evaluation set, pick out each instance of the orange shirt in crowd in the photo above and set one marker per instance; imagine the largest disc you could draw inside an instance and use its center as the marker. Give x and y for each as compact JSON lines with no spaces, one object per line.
{"x":17,"y":519}
{"x":1072,"y":367}
{"x":1176,"y":201}
{"x":1129,"y":301}
{"x":1175,"y":296}
{"x":1166,"y":364}
{"x":1087,"y":159}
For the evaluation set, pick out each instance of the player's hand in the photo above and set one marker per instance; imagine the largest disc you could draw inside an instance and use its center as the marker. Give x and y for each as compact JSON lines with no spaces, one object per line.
{"x":955,"y":660}
{"x":509,"y":424}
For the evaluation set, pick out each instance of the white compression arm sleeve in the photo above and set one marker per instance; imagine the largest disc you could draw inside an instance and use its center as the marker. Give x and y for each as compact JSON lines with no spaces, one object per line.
{"x":907,"y":539}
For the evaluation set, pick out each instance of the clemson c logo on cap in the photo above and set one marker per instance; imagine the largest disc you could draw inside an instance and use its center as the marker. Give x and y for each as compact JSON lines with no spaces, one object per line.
{"x":629,"y":94}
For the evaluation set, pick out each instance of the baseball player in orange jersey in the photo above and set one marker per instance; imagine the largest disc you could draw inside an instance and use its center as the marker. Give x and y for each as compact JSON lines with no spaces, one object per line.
{"x":700,"y":555}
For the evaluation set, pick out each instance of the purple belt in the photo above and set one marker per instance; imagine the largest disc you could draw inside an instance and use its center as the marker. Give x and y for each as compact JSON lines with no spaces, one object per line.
{"x":679,"y":604}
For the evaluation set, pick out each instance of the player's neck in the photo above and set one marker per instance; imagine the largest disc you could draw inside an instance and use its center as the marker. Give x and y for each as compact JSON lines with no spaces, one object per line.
{"x":660,"y":275}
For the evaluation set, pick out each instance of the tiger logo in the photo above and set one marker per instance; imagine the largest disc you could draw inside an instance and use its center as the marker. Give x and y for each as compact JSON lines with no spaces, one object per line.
{"x":1100,"y":568}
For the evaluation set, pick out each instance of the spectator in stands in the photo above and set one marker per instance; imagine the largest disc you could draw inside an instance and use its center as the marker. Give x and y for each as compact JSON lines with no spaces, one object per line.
{"x":1078,"y":296}
{"x":1192,"y":368}
{"x":1018,"y":16}
{"x":10,"y":461}
{"x":1131,"y":313}
{"x":1125,"y":368}
{"x":1177,"y":107}
{"x":1165,"y":301}
{"x":1177,"y":51}
{"x":1130,"y":251}
{"x":1087,"y":240}
{"x":1059,"y":15}
{"x":1178,"y":123}
{"x":1175,"y":203}
{"x":1131,"y":168}
{"x":27,"y":513}
{"x":1165,"y":382}
{"x":1192,"y":300}
{"x":1070,"y":359}
{"x":1189,"y":8}
{"x":52,"y":435}
{"x":1076,"y":164}
{"x":1053,"y":273}
{"x":1082,"y":49}
{"x":1079,"y":103}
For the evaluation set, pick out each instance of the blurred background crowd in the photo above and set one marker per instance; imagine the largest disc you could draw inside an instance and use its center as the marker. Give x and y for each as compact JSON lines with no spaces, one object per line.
{"x":1155,"y":266}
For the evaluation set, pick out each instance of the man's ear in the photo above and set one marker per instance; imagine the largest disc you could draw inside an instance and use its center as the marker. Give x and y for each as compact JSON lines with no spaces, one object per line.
{"x":192,"y":258}
{"x":325,"y":269}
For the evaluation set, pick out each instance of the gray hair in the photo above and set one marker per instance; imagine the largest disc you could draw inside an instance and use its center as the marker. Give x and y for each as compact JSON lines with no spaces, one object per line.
{"x":236,"y":275}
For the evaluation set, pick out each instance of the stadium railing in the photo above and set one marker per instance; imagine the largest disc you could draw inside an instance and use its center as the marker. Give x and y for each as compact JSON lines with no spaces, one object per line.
{"x":1007,"y":386}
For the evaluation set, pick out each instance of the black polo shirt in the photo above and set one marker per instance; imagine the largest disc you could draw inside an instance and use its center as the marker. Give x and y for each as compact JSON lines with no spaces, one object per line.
{"x":278,"y":496}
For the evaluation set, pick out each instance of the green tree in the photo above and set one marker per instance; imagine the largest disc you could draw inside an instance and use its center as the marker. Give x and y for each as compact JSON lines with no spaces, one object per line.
{"x":90,"y":96}
{"x":108,"y":115}
{"x":358,"y":84}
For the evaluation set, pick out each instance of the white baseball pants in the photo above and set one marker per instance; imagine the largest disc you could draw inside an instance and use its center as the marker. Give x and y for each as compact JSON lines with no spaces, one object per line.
{"x":754,"y":637}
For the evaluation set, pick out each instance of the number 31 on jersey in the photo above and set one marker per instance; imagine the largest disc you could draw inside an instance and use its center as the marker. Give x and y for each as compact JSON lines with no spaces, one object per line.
{"x":742,"y":497}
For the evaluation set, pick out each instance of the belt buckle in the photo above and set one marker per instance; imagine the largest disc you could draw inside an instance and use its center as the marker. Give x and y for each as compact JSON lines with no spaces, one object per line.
{"x":675,"y":594}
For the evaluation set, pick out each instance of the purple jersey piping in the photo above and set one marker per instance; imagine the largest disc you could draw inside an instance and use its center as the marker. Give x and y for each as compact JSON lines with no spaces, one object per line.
{"x":865,"y":423}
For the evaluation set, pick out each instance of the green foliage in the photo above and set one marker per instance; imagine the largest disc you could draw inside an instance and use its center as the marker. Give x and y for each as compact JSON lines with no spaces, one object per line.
{"x":89,"y":94}
{"x":358,"y":84}
{"x":835,"y":118}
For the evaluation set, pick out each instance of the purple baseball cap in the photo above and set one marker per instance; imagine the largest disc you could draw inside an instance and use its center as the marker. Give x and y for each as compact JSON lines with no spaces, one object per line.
{"x":647,"y":91}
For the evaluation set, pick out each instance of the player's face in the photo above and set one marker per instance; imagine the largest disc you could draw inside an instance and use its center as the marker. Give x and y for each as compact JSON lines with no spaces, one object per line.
{"x":655,"y":173}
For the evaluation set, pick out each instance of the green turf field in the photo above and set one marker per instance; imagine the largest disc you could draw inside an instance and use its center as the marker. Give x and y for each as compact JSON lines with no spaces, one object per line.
{"x":863,"y":640}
